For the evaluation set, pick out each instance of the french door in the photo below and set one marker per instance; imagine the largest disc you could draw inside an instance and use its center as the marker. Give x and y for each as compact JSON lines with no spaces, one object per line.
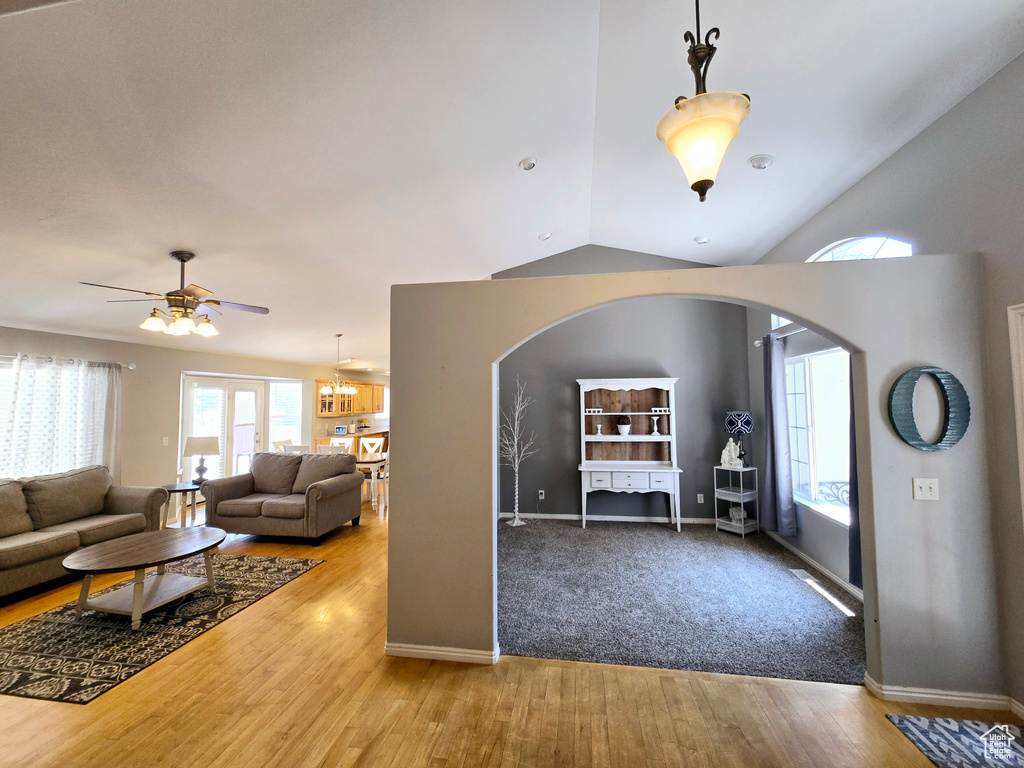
{"x":230,"y":410}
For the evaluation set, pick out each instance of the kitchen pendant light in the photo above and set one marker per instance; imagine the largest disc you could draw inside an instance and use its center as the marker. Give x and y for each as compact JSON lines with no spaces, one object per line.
{"x":699,"y":130}
{"x":338,"y":387}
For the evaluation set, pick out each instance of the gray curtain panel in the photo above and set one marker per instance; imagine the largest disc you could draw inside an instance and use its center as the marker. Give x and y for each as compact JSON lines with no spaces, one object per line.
{"x":111,"y":418}
{"x":778,"y":511}
{"x":856,"y":577}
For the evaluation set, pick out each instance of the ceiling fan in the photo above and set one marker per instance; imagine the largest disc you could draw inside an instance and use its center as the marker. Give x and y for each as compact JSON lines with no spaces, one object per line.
{"x":189,"y":308}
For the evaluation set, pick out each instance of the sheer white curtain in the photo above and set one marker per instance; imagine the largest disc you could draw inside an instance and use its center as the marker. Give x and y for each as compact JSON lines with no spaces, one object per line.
{"x":59,"y":415}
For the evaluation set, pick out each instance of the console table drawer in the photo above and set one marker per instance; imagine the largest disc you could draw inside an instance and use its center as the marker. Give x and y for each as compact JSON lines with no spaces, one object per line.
{"x":662,"y":480}
{"x":630,"y":480}
{"x":600,"y":479}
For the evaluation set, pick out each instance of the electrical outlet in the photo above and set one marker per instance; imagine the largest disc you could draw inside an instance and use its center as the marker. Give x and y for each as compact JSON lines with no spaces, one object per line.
{"x":700,"y":498}
{"x":926,"y":488}
{"x":166,"y":442}
{"x":540,"y":495}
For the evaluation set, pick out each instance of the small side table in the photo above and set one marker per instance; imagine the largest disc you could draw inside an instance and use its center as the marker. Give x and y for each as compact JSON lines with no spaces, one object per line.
{"x":737,"y":487}
{"x":189,"y":488}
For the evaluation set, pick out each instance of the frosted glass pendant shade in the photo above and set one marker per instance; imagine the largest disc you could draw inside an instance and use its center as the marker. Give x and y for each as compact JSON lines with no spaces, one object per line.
{"x":327,"y":389}
{"x":699,"y":130}
{"x":206,"y":328}
{"x":153,"y":323}
{"x":182,"y":326}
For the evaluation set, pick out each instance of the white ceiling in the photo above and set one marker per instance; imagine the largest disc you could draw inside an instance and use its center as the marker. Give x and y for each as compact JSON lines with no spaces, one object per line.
{"x":315,"y":153}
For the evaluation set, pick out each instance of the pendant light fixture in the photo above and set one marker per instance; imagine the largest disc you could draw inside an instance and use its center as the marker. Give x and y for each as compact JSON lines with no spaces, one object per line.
{"x":699,"y":130}
{"x":338,"y":387}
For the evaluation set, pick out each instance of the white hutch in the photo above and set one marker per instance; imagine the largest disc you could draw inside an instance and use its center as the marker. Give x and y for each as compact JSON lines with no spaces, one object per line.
{"x":642,"y":461}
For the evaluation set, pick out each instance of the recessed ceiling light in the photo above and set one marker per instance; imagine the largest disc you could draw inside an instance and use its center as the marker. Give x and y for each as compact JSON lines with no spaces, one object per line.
{"x":544,"y":236}
{"x":701,"y":240}
{"x":760,"y":162}
{"x":387,"y":373}
{"x":528,"y":163}
{"x":369,"y":369}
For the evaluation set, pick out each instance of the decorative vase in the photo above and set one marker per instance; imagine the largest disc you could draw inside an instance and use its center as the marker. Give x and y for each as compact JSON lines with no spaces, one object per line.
{"x":624,"y":429}
{"x":655,"y":420}
{"x":599,"y":429}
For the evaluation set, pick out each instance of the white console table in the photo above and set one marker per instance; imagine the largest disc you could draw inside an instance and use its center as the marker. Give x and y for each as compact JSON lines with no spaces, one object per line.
{"x":632,"y":477}
{"x":644,"y":459}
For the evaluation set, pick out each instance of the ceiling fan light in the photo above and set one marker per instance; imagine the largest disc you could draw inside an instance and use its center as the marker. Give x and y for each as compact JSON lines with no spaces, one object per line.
{"x":182,"y":326}
{"x":206,"y":328}
{"x":153,"y":323}
{"x":698,"y":131}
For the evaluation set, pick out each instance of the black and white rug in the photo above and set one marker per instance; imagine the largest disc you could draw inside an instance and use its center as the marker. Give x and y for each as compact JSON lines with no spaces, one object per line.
{"x":644,"y":595}
{"x":963,"y":743}
{"x":57,"y":657}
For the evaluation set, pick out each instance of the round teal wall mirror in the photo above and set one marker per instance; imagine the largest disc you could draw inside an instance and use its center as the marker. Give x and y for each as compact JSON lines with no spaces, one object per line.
{"x":957,"y":408}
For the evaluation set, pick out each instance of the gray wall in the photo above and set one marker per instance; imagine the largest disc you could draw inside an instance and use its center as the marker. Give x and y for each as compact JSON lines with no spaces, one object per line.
{"x":151,"y":394}
{"x":957,"y":188}
{"x":930,"y":590}
{"x":700,"y":342}
{"x":593,"y":260}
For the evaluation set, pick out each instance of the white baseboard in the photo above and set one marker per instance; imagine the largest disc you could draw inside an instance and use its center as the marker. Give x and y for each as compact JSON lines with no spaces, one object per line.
{"x":1017,"y":708}
{"x":467,"y":655}
{"x":858,"y":593}
{"x":609,"y":518}
{"x":939,"y":697}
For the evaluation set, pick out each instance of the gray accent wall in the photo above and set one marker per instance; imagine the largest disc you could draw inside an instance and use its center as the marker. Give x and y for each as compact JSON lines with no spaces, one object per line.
{"x":956,"y":188}
{"x":701,"y":342}
{"x":594,"y":260}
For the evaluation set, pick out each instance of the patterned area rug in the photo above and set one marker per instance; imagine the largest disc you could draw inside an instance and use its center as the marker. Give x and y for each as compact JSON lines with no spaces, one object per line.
{"x":963,"y":743}
{"x":57,"y":657}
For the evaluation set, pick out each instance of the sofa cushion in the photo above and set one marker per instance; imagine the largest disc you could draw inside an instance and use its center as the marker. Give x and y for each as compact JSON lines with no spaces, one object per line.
{"x":320,"y":466}
{"x":274,"y":472}
{"x":13,"y":510}
{"x":24,"y":548}
{"x":54,"y":499}
{"x":93,"y":530}
{"x":293,"y":506}
{"x":247,"y":506}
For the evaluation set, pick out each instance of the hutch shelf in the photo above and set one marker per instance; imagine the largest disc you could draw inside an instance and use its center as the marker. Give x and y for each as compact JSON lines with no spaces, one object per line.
{"x":642,"y":461}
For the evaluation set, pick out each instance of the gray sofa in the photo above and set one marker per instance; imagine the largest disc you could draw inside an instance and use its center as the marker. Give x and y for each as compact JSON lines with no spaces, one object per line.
{"x":287,"y":494}
{"x":44,"y":519}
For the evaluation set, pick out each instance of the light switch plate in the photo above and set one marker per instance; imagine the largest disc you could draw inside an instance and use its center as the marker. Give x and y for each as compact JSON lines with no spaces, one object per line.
{"x":926,"y":489}
{"x":166,"y":442}
{"x":700,"y":498}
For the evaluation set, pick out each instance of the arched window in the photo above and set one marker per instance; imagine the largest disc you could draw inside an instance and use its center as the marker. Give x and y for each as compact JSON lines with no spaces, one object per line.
{"x":877,"y":247}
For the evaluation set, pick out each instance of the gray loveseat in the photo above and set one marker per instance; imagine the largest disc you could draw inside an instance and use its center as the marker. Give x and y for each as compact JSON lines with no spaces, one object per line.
{"x":44,"y":519}
{"x":287,"y":494}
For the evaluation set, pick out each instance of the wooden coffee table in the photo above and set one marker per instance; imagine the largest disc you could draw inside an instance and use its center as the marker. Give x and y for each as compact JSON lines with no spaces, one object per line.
{"x":137,"y":553}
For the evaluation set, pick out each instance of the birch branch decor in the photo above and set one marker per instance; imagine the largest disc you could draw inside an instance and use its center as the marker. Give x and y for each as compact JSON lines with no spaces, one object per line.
{"x":513,"y":445}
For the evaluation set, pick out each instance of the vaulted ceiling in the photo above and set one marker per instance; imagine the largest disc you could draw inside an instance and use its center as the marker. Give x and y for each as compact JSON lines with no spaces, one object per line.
{"x":313,"y":154}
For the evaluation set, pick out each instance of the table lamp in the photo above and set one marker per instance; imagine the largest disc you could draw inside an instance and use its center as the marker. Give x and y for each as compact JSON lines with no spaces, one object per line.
{"x":201,"y":447}
{"x":739,"y":423}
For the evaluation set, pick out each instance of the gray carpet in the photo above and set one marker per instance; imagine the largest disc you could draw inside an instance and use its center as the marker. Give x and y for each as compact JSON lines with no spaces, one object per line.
{"x":642,"y":594}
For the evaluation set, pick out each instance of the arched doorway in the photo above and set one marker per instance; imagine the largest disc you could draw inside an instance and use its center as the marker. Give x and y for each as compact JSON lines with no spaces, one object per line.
{"x":638,"y":592}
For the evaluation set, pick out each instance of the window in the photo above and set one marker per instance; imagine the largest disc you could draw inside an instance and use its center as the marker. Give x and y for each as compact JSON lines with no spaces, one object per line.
{"x":818,"y":400}
{"x":286,"y":411}
{"x":864,"y":248}
{"x":58,"y":415}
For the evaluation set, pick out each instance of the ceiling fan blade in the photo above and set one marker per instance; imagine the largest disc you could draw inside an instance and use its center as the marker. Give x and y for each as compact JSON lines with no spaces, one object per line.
{"x":117,"y":288}
{"x":195,"y":291}
{"x":243,"y":307}
{"x":206,"y":309}
{"x":129,"y":301}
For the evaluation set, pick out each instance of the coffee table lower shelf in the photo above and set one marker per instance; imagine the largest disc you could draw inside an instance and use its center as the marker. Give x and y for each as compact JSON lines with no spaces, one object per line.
{"x":144,"y":595}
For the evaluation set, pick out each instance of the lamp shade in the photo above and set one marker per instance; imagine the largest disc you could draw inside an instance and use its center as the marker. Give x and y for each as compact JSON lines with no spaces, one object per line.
{"x":699,"y":130}
{"x":154,"y":322}
{"x":182,"y":326}
{"x":206,"y":328}
{"x":739,"y":422}
{"x":202,"y":446}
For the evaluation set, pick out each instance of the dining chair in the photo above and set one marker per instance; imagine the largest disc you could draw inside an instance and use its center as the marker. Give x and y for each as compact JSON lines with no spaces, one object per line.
{"x":332,"y":449}
{"x":296,"y":448}
{"x":279,"y":445}
{"x":344,"y":441}
{"x":371,"y":444}
{"x":382,"y":483}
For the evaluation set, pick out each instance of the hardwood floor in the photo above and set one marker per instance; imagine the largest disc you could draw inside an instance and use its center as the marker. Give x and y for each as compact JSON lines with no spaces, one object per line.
{"x":300,"y":679}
